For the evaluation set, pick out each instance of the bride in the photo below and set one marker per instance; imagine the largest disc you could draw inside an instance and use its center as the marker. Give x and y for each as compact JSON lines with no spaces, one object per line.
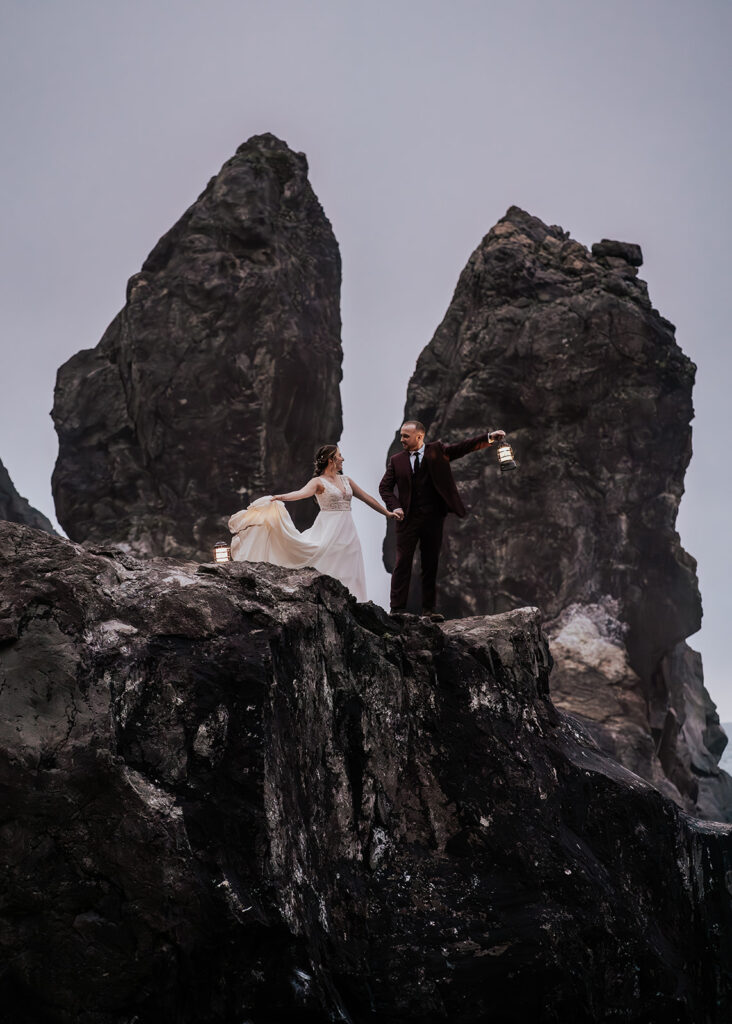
{"x":264,"y":532}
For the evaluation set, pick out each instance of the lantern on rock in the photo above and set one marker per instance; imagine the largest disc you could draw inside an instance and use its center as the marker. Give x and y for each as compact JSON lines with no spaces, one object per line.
{"x":505,"y":457}
{"x":222,"y":552}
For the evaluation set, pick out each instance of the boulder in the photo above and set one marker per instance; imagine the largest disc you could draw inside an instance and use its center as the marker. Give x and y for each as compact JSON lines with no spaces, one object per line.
{"x":219,"y":378}
{"x":628,"y":252}
{"x":230,"y":793}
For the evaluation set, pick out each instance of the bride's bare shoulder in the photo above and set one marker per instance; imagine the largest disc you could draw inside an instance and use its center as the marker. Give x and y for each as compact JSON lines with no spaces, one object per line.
{"x":319,"y":485}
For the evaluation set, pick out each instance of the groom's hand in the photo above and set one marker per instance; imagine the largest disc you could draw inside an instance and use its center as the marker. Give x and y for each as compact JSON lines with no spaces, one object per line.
{"x":496,"y":435}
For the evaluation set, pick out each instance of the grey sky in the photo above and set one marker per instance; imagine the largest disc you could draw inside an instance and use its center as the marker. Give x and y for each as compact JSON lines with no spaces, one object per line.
{"x":422,"y":122}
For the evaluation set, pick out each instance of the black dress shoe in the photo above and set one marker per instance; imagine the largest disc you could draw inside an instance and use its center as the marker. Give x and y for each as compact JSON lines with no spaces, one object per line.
{"x":433,"y":616}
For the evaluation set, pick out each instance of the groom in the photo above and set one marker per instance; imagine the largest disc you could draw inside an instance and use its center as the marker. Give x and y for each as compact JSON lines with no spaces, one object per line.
{"x":418,"y":483}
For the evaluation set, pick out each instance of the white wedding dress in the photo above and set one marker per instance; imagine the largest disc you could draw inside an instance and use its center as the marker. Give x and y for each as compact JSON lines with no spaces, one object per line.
{"x":264,"y":532}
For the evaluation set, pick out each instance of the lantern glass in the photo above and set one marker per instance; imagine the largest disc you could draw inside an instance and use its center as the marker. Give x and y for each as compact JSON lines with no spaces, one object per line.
{"x":505,"y":457}
{"x":222,"y":552}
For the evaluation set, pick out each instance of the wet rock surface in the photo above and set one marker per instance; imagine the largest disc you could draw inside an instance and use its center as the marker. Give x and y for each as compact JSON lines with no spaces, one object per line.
{"x":16,"y":509}
{"x":231,"y":793}
{"x":563,"y":349}
{"x":219,"y":378}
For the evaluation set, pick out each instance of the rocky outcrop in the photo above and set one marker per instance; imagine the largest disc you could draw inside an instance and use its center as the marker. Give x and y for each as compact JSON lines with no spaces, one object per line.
{"x":219,"y":378}
{"x":232,"y":794}
{"x":562,"y":348}
{"x":16,"y":509}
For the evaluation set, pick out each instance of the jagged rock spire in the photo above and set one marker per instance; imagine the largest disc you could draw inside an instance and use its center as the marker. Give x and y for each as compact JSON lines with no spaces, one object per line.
{"x":219,"y":377}
{"x":562,"y":348}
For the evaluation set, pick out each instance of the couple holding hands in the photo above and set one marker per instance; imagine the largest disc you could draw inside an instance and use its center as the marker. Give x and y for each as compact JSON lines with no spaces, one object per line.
{"x":418,"y":491}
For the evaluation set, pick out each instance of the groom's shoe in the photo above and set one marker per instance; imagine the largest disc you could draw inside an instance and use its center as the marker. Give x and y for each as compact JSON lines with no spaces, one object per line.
{"x":433,"y":616}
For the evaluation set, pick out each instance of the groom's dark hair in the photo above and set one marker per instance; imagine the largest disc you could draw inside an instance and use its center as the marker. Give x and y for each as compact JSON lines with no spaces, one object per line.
{"x":419,"y":427}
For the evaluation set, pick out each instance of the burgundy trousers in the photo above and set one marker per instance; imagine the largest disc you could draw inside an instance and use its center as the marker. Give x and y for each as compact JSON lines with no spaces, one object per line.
{"x":423,"y":528}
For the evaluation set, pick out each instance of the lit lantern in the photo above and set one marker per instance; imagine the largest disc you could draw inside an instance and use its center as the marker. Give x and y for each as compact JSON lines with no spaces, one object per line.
{"x":222,"y":552}
{"x":505,"y":457}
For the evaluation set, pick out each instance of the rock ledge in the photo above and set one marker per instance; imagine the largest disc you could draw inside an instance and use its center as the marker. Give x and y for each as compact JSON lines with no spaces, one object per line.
{"x":232,"y":793}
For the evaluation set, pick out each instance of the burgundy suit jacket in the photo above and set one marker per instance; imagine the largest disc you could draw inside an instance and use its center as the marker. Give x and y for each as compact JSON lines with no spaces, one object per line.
{"x":396,"y":484}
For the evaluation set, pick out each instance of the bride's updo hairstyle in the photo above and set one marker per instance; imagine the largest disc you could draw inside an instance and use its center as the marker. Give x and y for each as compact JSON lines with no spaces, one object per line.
{"x":322,"y":457}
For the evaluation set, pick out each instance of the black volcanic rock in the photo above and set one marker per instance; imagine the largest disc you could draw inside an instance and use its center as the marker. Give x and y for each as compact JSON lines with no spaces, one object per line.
{"x":626,"y":251}
{"x":16,"y":509}
{"x":563,"y":350}
{"x":219,"y":378}
{"x":232,"y":794}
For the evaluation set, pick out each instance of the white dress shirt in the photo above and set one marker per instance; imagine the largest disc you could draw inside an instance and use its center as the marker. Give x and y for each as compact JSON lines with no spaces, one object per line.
{"x":420,"y":452}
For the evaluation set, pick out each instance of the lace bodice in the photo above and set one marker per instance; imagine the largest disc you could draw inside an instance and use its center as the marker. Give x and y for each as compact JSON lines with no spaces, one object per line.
{"x":335,"y":498}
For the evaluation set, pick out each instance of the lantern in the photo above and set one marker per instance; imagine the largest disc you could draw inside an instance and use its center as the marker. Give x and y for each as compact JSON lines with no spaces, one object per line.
{"x":222,"y":552}
{"x":505,"y":457}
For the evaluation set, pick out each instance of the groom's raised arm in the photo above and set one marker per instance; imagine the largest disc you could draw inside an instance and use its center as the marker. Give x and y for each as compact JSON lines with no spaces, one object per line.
{"x":386,"y":488}
{"x":460,"y":448}
{"x":473,"y":444}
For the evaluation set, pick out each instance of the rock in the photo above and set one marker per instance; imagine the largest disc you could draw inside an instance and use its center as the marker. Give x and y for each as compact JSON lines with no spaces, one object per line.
{"x":219,"y":378}
{"x":592,"y":676}
{"x":230,"y":793}
{"x":626,"y":251}
{"x":563,"y":350}
{"x":16,"y":509}
{"x":678,"y":693}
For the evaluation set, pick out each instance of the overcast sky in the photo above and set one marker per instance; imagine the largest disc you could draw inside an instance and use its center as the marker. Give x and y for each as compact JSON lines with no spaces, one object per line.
{"x":422,"y":122}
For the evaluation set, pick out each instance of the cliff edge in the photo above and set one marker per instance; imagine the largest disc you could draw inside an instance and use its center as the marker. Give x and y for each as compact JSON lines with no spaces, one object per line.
{"x":232,"y":793}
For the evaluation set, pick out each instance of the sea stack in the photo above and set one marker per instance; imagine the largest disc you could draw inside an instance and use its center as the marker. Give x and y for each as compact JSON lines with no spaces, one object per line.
{"x":561,"y":347}
{"x":219,"y":377}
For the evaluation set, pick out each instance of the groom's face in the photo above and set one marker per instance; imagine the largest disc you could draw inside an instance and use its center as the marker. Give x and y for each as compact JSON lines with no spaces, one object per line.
{"x":410,"y":437}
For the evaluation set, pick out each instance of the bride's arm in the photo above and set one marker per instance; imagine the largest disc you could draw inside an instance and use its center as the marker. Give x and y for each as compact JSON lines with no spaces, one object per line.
{"x":311,"y":488}
{"x":358,"y":492}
